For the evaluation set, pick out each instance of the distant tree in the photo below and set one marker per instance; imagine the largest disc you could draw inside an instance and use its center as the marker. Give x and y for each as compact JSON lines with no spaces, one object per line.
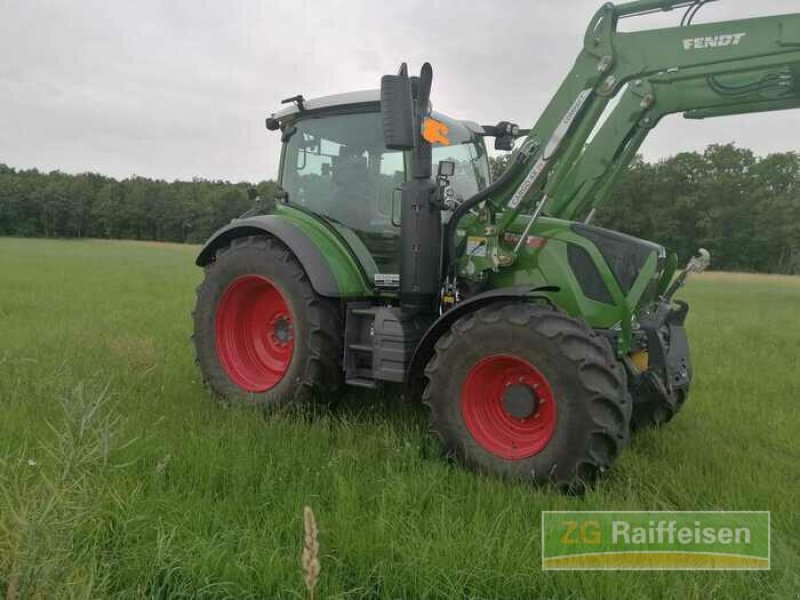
{"x":775,"y":213}
{"x":745,"y":210}
{"x":498,"y":165}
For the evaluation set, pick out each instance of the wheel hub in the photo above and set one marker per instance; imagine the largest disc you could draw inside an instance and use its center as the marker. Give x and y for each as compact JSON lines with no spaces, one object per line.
{"x":508,"y":407}
{"x":254,"y":333}
{"x":282,"y":329}
{"x":520,"y":401}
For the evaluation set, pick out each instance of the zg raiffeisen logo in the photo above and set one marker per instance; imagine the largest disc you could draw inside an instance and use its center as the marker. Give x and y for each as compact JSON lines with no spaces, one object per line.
{"x":656,"y":541}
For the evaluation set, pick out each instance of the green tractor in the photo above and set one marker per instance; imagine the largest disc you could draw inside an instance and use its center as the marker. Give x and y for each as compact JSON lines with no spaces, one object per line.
{"x":536,"y":339}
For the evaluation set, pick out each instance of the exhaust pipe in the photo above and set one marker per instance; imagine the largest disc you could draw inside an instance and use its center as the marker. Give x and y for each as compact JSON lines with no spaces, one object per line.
{"x":404,"y":104}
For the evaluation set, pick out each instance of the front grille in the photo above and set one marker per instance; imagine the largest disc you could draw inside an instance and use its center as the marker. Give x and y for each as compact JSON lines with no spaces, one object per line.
{"x":625,"y":255}
{"x":588,"y":276}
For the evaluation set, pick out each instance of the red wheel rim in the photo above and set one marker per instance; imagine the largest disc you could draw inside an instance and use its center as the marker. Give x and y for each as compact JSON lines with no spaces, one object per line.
{"x":485,"y":407}
{"x":254,"y":333}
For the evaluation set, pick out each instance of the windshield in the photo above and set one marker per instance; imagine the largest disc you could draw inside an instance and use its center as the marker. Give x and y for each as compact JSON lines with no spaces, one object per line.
{"x":472,"y":167}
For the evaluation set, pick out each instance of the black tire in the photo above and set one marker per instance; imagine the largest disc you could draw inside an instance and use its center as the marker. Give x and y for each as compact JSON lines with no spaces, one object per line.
{"x":653,"y":405}
{"x":315,"y":323}
{"x":593,"y":411}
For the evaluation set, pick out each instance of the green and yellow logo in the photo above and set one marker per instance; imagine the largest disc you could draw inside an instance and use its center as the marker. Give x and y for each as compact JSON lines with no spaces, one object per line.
{"x":655,"y":541}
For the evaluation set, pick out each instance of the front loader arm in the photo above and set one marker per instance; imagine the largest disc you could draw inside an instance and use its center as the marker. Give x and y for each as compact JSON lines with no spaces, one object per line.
{"x":713,"y":93}
{"x":705,"y":70}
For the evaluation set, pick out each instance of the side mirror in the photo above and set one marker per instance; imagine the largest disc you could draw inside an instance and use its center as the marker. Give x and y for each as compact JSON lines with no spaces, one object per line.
{"x":447,"y":168}
{"x":504,"y":144}
{"x":397,"y":110}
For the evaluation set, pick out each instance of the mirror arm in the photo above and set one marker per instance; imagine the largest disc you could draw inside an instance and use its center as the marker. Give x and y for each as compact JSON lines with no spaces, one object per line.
{"x":505,"y":134}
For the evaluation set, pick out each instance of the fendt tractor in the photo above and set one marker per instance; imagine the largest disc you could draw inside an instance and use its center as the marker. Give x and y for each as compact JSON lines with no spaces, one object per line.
{"x":537,"y":340}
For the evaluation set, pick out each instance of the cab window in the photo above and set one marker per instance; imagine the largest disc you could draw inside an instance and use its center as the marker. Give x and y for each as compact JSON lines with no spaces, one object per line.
{"x":338,"y":167}
{"x":472,"y":167}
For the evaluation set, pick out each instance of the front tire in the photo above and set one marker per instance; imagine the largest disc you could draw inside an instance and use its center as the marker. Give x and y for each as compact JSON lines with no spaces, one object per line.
{"x":526,"y":392}
{"x":261,"y":333}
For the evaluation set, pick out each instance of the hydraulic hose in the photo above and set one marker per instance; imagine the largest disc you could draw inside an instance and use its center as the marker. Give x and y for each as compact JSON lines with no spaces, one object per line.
{"x":469,"y":204}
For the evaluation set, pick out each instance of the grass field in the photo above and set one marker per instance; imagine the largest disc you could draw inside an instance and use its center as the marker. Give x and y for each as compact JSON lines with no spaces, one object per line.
{"x":121,"y":477}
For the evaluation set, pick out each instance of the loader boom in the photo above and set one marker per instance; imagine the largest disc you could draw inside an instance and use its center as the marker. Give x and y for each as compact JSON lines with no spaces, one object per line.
{"x":590,"y":180}
{"x":569,"y":162}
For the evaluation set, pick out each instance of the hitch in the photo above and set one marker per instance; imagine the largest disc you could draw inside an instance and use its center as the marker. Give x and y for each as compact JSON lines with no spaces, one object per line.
{"x":698,"y":264}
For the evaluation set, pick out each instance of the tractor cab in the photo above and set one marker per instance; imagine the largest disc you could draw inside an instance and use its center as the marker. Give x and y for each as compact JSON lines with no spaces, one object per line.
{"x":335,"y":164}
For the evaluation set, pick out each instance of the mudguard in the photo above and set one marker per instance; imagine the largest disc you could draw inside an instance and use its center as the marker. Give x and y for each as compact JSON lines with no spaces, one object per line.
{"x":329,"y":266}
{"x":415,"y":377}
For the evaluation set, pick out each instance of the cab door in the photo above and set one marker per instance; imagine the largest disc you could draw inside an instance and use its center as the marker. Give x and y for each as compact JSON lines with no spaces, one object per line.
{"x":335,"y":165}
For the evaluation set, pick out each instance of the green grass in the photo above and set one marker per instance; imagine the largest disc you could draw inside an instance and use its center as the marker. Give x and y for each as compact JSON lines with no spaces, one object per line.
{"x":120,"y":476}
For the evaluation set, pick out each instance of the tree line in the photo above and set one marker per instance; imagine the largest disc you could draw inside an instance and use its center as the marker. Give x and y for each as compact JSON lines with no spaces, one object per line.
{"x":743,"y":208}
{"x":55,"y":204}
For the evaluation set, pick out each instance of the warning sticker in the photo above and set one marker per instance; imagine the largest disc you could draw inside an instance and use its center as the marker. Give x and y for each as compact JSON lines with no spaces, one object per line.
{"x":387,"y":279}
{"x":476,"y":246}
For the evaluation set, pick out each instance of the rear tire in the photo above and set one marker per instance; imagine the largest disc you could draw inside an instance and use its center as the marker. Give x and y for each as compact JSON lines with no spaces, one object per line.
{"x":526,"y":392}
{"x":261,"y":333}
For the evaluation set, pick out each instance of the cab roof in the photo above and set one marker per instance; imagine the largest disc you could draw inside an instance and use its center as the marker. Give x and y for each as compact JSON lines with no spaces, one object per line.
{"x":361,"y":97}
{"x":346,"y":99}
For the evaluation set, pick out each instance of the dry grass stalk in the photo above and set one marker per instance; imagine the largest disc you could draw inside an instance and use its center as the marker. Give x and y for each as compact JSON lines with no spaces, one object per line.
{"x":310,"y":557}
{"x":13,"y":583}
{"x":162,"y":465}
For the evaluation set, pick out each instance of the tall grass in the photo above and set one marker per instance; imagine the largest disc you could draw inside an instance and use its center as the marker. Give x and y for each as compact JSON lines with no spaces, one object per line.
{"x":55,"y":502}
{"x":120,"y":477}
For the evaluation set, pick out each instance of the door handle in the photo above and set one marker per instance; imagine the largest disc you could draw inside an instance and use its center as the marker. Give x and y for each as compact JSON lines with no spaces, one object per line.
{"x":397,"y":195}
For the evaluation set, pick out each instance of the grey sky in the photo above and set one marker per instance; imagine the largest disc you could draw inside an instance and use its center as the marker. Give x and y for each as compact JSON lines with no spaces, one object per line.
{"x":177,"y":89}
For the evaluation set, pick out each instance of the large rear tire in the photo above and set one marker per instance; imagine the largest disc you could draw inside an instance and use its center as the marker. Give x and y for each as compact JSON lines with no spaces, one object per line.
{"x":261,"y":333}
{"x":526,"y":392}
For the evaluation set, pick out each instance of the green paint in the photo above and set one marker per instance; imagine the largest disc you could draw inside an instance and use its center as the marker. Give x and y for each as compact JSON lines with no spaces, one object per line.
{"x":346,"y":269}
{"x":549,"y":265}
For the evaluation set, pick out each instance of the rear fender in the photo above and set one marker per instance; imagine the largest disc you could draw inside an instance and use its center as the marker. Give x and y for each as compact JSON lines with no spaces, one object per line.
{"x":330,"y":267}
{"x":415,"y":377}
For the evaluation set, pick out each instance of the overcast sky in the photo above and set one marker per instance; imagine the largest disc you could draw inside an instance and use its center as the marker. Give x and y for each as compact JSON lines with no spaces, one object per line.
{"x":180,"y":88}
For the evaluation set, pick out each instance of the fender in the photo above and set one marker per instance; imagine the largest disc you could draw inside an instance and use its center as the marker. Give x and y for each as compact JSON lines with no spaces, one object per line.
{"x":332,"y":273}
{"x":415,"y":376}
